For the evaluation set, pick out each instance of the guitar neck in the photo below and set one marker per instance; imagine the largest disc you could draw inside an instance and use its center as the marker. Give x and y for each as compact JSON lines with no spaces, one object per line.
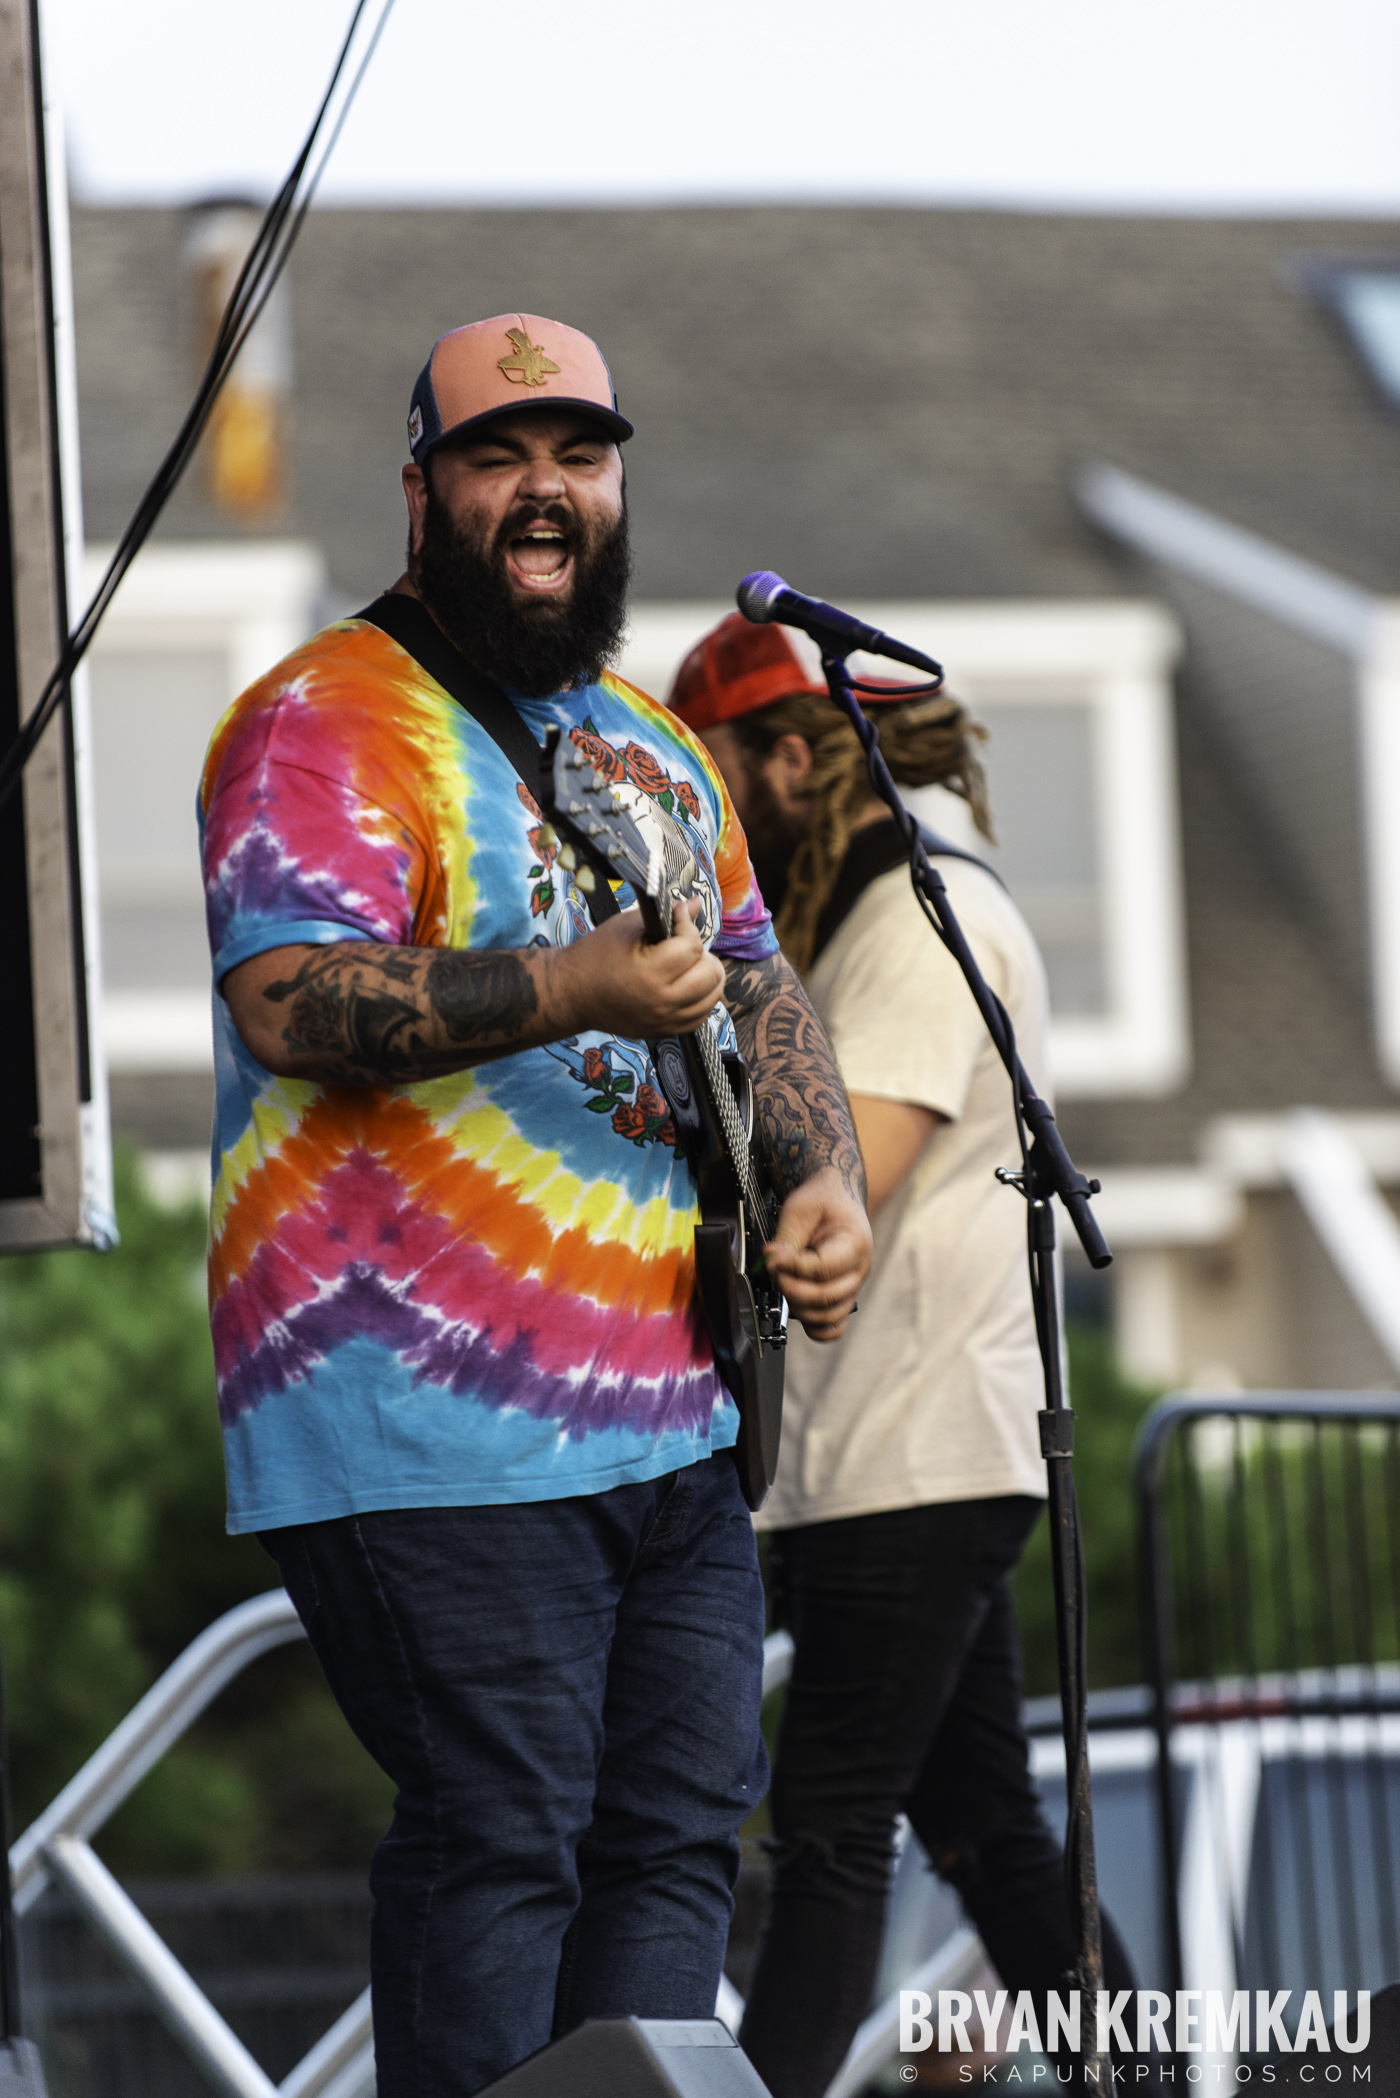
{"x":624,"y":856}
{"x":659,"y":917}
{"x":725,"y":1109}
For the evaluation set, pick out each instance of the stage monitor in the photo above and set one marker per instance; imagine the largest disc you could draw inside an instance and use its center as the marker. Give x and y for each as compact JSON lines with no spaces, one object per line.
{"x":637,"y":2058}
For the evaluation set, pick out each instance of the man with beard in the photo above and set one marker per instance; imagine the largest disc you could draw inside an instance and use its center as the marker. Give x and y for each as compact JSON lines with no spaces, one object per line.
{"x":469,"y":1403}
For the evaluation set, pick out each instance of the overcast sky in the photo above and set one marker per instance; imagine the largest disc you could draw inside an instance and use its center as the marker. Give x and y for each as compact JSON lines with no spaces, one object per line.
{"x":1110,"y":104}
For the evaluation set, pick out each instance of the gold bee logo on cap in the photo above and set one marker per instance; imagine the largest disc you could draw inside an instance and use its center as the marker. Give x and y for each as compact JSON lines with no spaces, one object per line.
{"x":529,"y":366}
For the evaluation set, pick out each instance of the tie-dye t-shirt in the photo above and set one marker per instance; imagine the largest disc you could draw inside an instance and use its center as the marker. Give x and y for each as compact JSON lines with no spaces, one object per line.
{"x":479,"y":1288}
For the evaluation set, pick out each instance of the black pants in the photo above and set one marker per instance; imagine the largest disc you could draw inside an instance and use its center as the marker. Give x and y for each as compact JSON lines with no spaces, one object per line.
{"x":904,"y":1698}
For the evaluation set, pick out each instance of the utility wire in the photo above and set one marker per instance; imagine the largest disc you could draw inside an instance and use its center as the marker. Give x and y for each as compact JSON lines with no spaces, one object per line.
{"x":262,"y":266}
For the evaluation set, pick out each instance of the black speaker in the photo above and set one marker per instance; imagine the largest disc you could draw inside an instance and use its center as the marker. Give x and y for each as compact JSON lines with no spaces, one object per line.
{"x":636,"y":2058}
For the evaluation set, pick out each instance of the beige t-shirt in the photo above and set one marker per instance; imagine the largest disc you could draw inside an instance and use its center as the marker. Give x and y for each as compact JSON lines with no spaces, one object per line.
{"x":934,"y":1392}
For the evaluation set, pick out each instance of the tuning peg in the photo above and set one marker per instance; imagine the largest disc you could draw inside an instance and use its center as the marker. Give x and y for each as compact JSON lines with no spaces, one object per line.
{"x":599,"y":782}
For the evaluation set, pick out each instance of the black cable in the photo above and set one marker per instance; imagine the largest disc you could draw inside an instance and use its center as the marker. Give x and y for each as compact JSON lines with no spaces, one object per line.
{"x":890,"y":693}
{"x":262,"y":266}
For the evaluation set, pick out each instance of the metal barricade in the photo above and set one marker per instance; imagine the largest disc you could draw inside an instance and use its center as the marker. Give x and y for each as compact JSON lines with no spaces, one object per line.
{"x":1270,"y":1537}
{"x":56,"y":1847}
{"x":341,"y":2065}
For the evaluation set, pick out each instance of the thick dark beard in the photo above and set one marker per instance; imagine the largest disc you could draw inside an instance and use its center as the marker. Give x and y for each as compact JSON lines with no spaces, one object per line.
{"x":535,"y":648}
{"x":772,"y":839}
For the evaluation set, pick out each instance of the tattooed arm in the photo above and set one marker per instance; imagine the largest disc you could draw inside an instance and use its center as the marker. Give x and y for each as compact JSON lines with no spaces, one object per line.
{"x":821,"y":1249}
{"x":802,"y":1103}
{"x":359,"y":1012}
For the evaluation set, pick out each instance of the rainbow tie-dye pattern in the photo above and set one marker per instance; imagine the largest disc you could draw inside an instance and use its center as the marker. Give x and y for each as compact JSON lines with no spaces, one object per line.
{"x":479,"y":1288}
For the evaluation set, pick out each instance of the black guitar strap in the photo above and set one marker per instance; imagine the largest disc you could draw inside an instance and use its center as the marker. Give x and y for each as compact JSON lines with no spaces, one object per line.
{"x":408,"y":621}
{"x":872,"y":852}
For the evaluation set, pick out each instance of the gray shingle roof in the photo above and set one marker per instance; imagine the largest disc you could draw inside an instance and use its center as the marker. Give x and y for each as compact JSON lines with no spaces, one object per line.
{"x":874,"y":400}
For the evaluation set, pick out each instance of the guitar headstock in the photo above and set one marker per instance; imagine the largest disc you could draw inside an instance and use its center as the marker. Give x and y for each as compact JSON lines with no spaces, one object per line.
{"x":608,"y":816}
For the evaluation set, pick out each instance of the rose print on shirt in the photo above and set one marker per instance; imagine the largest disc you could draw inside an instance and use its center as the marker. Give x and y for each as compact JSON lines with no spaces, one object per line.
{"x":635,"y":764}
{"x":619,"y":1078}
{"x":542,"y":873}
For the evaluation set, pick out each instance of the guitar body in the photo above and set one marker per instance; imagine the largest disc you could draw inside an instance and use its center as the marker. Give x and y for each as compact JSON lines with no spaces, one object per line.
{"x":752,"y":1370}
{"x":744,"y":1310}
{"x":710,"y":1097}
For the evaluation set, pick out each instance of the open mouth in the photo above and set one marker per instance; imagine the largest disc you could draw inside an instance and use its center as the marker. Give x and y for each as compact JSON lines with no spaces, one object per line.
{"x":540,"y":560}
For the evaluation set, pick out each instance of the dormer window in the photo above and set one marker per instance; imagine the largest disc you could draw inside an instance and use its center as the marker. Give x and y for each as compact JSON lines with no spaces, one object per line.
{"x":1365,"y":297}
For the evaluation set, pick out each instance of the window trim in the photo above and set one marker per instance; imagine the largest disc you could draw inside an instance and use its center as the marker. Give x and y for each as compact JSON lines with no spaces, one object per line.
{"x":1378,"y":710}
{"x":1324,"y":279}
{"x":1119,"y":654}
{"x":251,"y":604}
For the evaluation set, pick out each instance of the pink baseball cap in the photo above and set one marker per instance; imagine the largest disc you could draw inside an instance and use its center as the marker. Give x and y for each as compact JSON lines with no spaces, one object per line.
{"x":495,"y":367}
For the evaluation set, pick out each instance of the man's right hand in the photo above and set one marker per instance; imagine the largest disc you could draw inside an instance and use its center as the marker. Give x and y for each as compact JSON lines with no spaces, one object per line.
{"x":614,"y":981}
{"x":359,"y":1012}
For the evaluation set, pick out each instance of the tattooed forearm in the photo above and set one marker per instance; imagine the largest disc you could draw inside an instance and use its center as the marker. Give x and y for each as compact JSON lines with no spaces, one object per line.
{"x":494,"y":995}
{"x":363,"y":1014}
{"x":802,"y":1104}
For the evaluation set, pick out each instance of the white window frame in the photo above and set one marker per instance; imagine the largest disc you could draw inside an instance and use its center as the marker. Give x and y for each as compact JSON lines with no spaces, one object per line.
{"x":1116,"y":656}
{"x":1378,"y":709}
{"x":1329,"y":608}
{"x":251,"y":604}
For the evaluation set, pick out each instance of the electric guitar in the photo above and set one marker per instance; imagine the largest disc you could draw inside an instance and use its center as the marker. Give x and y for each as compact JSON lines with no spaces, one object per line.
{"x":611,"y":824}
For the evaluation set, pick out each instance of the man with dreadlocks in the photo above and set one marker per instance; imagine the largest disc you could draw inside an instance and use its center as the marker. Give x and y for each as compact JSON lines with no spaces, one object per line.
{"x":911,"y":1473}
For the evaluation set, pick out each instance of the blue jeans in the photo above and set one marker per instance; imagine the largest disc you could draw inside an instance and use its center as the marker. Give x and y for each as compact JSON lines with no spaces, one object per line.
{"x":566,"y":1694}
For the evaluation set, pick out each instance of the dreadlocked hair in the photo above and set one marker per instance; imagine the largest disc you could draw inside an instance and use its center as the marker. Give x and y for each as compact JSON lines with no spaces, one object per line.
{"x":925,"y":743}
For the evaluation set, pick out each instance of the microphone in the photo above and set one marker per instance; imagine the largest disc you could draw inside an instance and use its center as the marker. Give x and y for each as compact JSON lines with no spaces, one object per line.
{"x":764,"y":597}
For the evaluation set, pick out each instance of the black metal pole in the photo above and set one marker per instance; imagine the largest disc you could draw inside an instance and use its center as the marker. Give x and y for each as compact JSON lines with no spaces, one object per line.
{"x":1047,"y":1171}
{"x":1067,"y":1567}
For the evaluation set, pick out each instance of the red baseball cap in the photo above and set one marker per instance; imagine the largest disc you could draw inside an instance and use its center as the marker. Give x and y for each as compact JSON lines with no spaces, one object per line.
{"x":514,"y":361}
{"x":740,"y":667}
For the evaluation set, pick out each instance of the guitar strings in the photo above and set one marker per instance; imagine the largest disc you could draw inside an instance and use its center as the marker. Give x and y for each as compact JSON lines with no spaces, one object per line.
{"x":726,"y":1107}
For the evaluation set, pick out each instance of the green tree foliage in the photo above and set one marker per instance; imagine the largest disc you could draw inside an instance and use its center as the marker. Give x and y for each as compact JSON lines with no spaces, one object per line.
{"x":113,"y":1557}
{"x":1107,"y":1410}
{"x":1281,"y":1540}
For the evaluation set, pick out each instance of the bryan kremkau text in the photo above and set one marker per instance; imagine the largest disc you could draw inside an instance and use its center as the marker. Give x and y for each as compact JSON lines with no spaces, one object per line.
{"x":1136,"y":2021}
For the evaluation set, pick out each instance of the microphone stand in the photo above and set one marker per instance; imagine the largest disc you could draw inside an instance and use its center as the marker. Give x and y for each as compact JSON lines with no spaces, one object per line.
{"x":1046,"y":1170}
